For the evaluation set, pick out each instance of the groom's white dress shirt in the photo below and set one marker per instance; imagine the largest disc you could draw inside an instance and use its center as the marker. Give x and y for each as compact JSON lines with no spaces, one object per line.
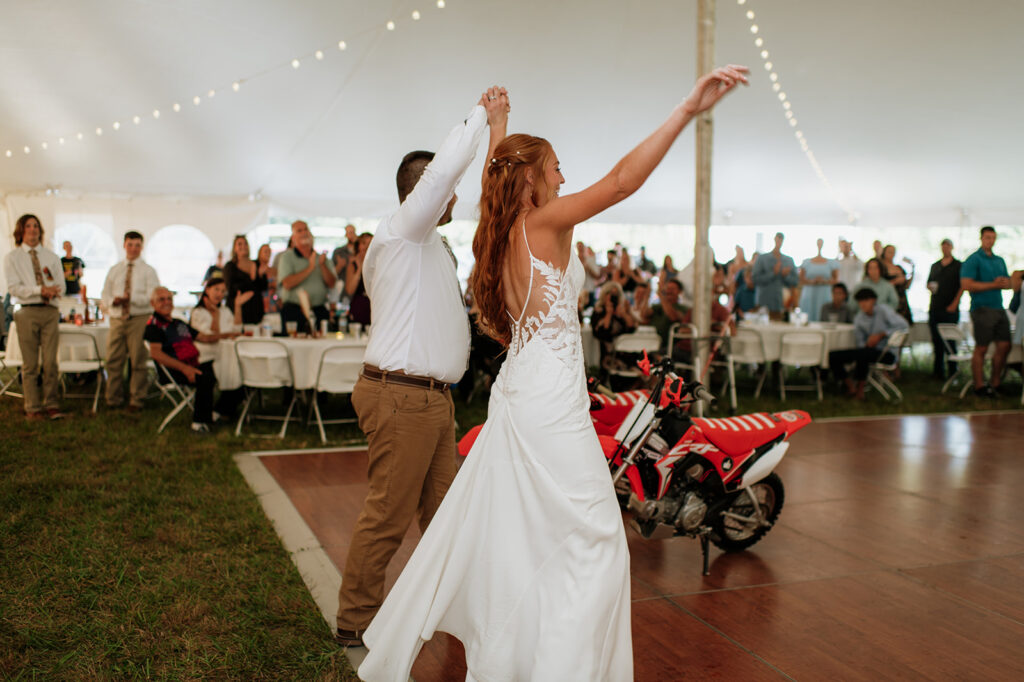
{"x":420,"y":325}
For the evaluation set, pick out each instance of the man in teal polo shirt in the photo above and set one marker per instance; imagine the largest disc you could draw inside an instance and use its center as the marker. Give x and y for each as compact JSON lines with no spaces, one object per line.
{"x":984,"y":275}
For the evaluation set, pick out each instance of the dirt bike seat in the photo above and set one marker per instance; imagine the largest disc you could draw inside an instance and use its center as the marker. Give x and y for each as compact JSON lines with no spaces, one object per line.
{"x":737,"y":436}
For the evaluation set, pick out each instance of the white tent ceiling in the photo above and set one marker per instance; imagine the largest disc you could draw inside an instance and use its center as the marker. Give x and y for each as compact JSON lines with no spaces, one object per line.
{"x":912,"y":108}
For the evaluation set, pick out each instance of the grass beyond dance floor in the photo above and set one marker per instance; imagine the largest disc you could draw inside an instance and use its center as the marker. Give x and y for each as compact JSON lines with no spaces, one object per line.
{"x":126,"y":554}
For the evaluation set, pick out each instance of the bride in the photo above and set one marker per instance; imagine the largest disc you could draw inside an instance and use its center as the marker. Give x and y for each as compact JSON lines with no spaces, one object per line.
{"x":525,"y":561}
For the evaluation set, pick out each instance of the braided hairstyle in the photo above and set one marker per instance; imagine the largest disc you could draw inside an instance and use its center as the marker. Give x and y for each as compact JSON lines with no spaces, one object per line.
{"x":504,"y":186}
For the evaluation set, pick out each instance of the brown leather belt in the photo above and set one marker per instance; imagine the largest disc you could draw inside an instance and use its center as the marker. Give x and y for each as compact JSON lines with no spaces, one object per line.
{"x":399,"y":377}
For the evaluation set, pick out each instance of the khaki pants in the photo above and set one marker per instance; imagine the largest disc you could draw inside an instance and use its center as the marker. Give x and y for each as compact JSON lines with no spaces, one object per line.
{"x":411,"y":436}
{"x":38,"y":331}
{"x":126,"y":342}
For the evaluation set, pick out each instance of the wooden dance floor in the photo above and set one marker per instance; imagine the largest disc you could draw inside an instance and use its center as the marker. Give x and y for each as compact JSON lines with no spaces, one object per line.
{"x":899,"y":554}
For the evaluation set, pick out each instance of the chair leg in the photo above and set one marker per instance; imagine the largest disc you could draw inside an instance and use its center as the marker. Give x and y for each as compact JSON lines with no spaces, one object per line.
{"x":319,"y":422}
{"x":245,"y":411}
{"x":967,"y":385}
{"x":817,"y":382}
{"x":170,"y":417}
{"x":782,"y":382}
{"x":732,"y":384}
{"x":288,"y":414}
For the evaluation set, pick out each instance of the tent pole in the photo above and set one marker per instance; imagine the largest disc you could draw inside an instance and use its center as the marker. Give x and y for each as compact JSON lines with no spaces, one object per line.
{"x":702,"y":212}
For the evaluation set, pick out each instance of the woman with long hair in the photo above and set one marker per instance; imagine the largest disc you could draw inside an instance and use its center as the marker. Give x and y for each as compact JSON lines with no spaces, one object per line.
{"x":243,"y":274}
{"x":898,"y":277}
{"x":359,"y":302}
{"x":525,"y":561}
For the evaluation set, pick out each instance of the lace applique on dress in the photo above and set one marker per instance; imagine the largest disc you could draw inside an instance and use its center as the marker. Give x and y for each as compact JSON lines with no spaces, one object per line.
{"x":549,"y":311}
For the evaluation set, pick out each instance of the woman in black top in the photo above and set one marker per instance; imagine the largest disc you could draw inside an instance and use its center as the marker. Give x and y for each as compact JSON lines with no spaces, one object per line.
{"x":359,"y":302}
{"x":243,"y":274}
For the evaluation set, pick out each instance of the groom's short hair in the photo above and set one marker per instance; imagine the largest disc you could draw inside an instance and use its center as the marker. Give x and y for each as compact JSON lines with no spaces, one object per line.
{"x":410,"y":171}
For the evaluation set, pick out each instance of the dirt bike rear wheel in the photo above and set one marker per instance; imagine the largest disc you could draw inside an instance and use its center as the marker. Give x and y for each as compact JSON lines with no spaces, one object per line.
{"x":733,"y":535}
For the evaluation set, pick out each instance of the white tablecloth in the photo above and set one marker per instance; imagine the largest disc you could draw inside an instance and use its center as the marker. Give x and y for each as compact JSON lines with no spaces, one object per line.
{"x":305,"y":354}
{"x":837,"y":337}
{"x":100,"y":332}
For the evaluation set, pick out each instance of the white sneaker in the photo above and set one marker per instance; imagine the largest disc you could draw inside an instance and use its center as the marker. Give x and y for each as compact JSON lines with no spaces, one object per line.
{"x":200,"y":427}
{"x":217,"y":416}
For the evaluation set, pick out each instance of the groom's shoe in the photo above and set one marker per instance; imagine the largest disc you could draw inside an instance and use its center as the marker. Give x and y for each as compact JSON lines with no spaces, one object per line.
{"x":349,"y":637}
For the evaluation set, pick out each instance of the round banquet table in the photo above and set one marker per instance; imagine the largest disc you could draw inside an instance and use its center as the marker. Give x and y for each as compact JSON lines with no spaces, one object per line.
{"x":305,"y":354}
{"x":838,"y":336}
{"x":100,"y":332}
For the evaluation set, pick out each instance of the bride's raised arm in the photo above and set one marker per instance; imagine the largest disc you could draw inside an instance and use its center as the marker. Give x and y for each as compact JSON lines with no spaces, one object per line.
{"x":563,"y":213}
{"x":495,"y":102}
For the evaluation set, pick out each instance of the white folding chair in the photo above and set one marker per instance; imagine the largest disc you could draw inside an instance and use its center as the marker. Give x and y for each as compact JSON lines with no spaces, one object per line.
{"x":678,"y":332}
{"x":801,"y":349}
{"x":960,"y":350}
{"x":338,"y":373}
{"x":888,"y":362}
{"x":77,"y":353}
{"x":746,"y":348}
{"x":265,"y":364}
{"x":643,"y":339}
{"x":6,"y":383}
{"x":180,"y":396}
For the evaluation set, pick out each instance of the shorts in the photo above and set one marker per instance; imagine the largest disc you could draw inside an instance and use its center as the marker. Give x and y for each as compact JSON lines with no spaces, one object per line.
{"x":990,"y":324}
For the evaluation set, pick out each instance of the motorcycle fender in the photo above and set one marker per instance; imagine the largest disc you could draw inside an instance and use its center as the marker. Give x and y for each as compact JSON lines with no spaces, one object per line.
{"x":635,"y":483}
{"x":765,"y":464}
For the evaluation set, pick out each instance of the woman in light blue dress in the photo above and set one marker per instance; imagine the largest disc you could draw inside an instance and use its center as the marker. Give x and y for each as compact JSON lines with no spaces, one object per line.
{"x":817,"y":275}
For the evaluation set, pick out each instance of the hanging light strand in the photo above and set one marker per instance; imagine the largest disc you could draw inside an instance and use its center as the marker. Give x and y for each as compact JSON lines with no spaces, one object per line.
{"x":787,"y":109}
{"x":237,"y":85}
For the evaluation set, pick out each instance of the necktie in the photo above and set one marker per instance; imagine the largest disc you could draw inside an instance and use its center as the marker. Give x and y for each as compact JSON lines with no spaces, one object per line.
{"x":451,"y":254}
{"x":36,"y":270}
{"x":127,"y":305}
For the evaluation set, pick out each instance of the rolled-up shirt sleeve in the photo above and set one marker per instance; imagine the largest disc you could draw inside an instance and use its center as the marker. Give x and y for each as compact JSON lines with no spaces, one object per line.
{"x":417,"y":217}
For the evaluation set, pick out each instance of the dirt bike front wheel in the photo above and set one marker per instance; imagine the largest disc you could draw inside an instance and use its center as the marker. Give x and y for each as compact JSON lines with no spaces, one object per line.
{"x":738,"y":527}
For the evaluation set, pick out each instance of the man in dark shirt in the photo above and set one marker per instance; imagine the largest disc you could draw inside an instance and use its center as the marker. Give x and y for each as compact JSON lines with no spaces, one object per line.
{"x":73,"y":267}
{"x":944,"y":283}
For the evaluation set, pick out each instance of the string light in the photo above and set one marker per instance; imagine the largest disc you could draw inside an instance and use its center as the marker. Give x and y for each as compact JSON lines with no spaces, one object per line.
{"x":787,"y":108}
{"x":236,"y":85}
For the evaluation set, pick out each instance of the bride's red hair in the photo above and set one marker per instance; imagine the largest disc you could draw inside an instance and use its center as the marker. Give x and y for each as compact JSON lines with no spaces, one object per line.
{"x":504,"y":186}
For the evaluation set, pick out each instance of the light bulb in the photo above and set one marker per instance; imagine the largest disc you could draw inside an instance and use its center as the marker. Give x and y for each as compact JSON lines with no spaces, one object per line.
{"x":786,"y":105}
{"x":750,"y":14}
{"x":296,"y":63}
{"x":60,"y":140}
{"x":792,"y":121}
{"x":741,"y":2}
{"x":236,"y":86}
{"x":44,"y":146}
{"x":27,"y":149}
{"x":9,"y":153}
{"x":99,"y":131}
{"x":81,"y":136}
{"x":789,"y":114}
{"x":136,"y":120}
{"x":774,"y":77}
{"x":176,"y":107}
{"x":764,"y":54}
{"x":415,"y":15}
{"x":196,"y":100}
{"x":391,"y":26}
{"x":319,"y":54}
{"x":782,"y":97}
{"x":776,"y":86}
{"x":116,"y":125}
{"x":156,"y":113}
{"x":767,"y":66}
{"x":342,"y":45}
{"x":759,"y":42}
{"x":211,"y":93}
{"x":440,"y":4}
{"x":753,"y":28}
{"x":799,"y":134}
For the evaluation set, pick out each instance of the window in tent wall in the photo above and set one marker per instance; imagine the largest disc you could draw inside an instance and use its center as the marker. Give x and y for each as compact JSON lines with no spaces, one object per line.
{"x":94,"y":245}
{"x":181,"y":254}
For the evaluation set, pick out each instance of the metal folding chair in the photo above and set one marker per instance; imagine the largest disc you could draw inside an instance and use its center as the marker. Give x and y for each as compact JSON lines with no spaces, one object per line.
{"x":77,"y":353}
{"x":180,"y":396}
{"x":5,"y":383}
{"x":960,"y":350}
{"x":888,"y":362}
{"x":801,"y":349}
{"x":338,"y":373}
{"x":265,"y":364}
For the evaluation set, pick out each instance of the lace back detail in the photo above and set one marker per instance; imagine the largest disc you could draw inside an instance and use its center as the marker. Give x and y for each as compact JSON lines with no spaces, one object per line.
{"x":549,"y":311}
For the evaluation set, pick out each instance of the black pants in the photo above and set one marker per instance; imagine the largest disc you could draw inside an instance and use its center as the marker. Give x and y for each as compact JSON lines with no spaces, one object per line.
{"x":838,"y":359}
{"x":205,"y":384}
{"x":935,"y":318}
{"x":292,"y":312}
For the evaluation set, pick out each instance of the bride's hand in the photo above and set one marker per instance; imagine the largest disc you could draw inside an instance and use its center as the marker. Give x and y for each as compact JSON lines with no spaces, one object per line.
{"x":712,"y":87}
{"x":495,"y":102}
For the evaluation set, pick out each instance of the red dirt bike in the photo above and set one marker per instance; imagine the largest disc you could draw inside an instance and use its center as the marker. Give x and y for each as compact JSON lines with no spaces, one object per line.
{"x":680,"y":475}
{"x":707,"y":478}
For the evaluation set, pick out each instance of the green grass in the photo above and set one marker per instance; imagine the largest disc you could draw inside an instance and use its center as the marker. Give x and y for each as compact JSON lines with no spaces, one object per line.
{"x":124,"y":554}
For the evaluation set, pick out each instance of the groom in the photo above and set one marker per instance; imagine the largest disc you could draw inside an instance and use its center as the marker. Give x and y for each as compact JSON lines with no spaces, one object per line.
{"x":419,"y":346}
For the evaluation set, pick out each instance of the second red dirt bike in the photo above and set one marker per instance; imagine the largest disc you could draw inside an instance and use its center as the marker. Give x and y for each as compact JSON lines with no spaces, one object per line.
{"x":712,"y":479}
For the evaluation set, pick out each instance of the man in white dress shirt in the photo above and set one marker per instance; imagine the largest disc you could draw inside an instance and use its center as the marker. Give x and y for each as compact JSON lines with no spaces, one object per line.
{"x":126,"y":296}
{"x":851,"y":268}
{"x":419,"y":346}
{"x":35,"y":278}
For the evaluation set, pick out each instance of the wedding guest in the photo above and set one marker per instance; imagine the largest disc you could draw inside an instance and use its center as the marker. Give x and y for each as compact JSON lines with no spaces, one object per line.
{"x":34,"y":280}
{"x":873,"y":325}
{"x":355,"y":287}
{"x":126,"y":297}
{"x":591,"y":271}
{"x":876,"y":247}
{"x":774,"y":271}
{"x":242,"y":275}
{"x":265,"y":269}
{"x":668,"y":270}
{"x":641,"y":307}
{"x":984,"y":275}
{"x":612,"y":318}
{"x":341,"y":255}
{"x":668,"y":310}
{"x":625,"y":275}
{"x":838,"y":309}
{"x":817,"y":275}
{"x":303,"y":269}
{"x":212,"y":323}
{"x":738,"y":262}
{"x":851,"y":268}
{"x":611,"y":265}
{"x":645,"y":264}
{"x":944,"y":307}
{"x":215,"y":270}
{"x":899,"y":279}
{"x":873,"y":279}
{"x":74,"y":268}
{"x":745,"y":293}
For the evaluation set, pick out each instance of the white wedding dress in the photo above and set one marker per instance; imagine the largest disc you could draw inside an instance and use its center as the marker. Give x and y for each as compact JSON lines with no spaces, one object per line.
{"x":525,"y":561}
